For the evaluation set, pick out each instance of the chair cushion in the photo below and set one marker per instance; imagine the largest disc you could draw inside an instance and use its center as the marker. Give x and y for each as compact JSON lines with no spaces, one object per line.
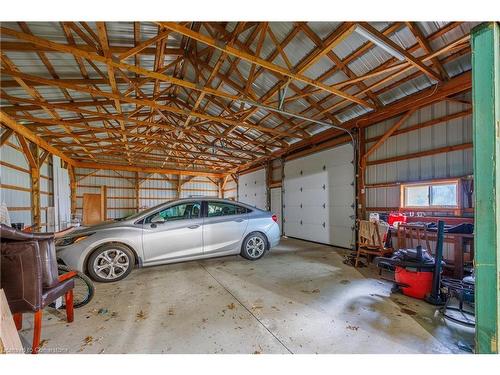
{"x":21,"y":275}
{"x":49,"y":295}
{"x":50,"y":275}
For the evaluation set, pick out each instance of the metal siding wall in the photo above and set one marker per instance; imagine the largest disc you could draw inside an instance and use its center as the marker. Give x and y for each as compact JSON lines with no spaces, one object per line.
{"x":199,"y":187}
{"x":159,"y":189}
{"x":9,"y":176}
{"x":120,"y":191}
{"x":446,"y":165}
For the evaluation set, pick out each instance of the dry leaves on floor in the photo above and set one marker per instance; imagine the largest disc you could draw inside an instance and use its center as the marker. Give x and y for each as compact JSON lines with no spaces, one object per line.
{"x":310,"y":291}
{"x":231,"y":306}
{"x":171,"y":311}
{"x":141,"y":315}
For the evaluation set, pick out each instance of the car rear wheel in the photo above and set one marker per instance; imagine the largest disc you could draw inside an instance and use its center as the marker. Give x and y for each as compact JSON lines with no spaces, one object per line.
{"x":254,"y":246}
{"x":111,"y":262}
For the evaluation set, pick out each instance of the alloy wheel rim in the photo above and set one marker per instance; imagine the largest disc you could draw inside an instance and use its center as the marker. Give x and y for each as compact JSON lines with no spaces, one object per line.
{"x":255,"y":246}
{"x":111,"y":264}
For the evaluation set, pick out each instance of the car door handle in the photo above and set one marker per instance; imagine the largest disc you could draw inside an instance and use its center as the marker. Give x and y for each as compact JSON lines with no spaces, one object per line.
{"x":239,"y":220}
{"x":193,"y":226}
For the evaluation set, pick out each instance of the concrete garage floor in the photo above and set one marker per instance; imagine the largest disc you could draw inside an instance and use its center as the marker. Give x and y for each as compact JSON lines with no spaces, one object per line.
{"x":300,"y":298}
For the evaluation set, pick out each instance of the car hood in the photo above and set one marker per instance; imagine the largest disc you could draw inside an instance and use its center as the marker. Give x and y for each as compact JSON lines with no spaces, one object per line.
{"x":92,"y":228}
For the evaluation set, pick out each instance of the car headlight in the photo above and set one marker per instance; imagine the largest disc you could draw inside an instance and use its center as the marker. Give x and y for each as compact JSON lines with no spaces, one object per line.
{"x":66,"y":241}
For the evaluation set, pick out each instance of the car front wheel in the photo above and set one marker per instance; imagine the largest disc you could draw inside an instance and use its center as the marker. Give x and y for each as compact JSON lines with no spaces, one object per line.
{"x":111,"y":262}
{"x":254,"y":246}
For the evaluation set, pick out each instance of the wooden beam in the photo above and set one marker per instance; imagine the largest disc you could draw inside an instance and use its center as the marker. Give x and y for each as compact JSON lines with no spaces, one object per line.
{"x":426,"y":47}
{"x":145,"y":169}
{"x":32,"y":159}
{"x":142,"y":46}
{"x":149,"y":103}
{"x":426,"y":124}
{"x":5,"y":136}
{"x":420,"y":154}
{"x":24,"y":132}
{"x":411,"y":59}
{"x":387,"y":134}
{"x":72,"y":188}
{"x":258,"y":61}
{"x":455,"y":85}
{"x":30,"y":47}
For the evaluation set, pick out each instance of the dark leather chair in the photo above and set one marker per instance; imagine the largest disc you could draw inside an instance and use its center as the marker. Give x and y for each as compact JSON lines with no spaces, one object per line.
{"x":29,"y":276}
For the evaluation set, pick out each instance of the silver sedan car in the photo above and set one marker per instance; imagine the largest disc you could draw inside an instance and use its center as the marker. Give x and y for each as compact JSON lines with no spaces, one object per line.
{"x":181,"y":230}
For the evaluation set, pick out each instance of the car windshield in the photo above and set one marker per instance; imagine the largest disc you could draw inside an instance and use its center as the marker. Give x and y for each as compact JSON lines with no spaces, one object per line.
{"x":140,"y":213}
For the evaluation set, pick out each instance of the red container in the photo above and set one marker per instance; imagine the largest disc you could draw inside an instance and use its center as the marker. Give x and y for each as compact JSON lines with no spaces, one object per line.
{"x":419,"y":282}
{"x":396,"y":216}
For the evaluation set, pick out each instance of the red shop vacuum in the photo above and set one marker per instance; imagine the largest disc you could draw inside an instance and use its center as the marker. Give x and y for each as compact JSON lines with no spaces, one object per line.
{"x":416,"y":273}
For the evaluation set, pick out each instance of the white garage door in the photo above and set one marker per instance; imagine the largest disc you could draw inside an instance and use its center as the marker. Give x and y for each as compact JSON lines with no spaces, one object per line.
{"x":252,"y":189}
{"x":276,"y":205}
{"x":319,"y":197}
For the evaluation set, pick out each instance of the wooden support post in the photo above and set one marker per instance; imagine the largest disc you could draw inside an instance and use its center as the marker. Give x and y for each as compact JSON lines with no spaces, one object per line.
{"x":137,"y":192}
{"x":104,"y":202}
{"x":35,"y":196}
{"x":486,"y":131}
{"x":269,"y":176}
{"x":31,"y":152}
{"x":179,"y":186}
{"x":360,"y":174}
{"x":72,"y":189}
{"x":219,"y":187}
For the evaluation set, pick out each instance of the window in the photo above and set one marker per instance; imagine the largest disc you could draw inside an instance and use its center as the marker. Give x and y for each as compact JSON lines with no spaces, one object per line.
{"x":224,"y":209}
{"x":434,"y":194}
{"x":182,"y":211}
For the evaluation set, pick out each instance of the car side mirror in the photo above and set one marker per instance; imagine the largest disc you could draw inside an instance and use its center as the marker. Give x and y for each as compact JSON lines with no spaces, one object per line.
{"x":157,"y":220}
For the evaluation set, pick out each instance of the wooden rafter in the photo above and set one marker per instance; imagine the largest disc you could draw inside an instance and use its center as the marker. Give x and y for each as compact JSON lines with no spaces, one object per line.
{"x":185,"y":111}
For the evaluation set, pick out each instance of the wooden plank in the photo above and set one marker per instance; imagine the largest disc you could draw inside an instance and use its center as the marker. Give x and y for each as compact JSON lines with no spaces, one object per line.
{"x":9,"y":337}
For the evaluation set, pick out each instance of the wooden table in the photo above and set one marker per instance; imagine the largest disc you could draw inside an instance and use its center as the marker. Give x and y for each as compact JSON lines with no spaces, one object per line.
{"x":459,"y":241}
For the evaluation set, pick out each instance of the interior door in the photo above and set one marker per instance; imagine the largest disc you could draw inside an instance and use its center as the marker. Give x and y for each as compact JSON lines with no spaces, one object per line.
{"x":276,"y":206}
{"x":173,"y":233}
{"x":223,"y":227}
{"x":93,"y":209}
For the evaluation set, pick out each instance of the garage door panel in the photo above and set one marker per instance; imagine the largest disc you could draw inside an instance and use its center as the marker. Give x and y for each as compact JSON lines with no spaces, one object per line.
{"x":340,"y":196}
{"x":307,"y":214}
{"x":252,"y":189}
{"x":305,"y":197}
{"x":342,"y":236}
{"x":340,"y":175}
{"x":313,"y":214}
{"x":343,"y":155}
{"x":342,"y":216}
{"x":319,"y":197}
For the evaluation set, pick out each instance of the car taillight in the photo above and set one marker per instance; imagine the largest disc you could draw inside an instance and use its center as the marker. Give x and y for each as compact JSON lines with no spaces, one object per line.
{"x":275,"y":218}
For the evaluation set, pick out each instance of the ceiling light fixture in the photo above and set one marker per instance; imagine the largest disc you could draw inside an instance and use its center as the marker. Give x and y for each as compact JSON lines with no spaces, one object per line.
{"x":379,"y":42}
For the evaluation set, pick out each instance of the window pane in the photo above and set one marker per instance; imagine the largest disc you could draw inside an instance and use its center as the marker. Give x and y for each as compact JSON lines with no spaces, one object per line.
{"x":417,"y":196}
{"x":224,"y":209}
{"x":444,"y":195}
{"x":179,"y":212}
